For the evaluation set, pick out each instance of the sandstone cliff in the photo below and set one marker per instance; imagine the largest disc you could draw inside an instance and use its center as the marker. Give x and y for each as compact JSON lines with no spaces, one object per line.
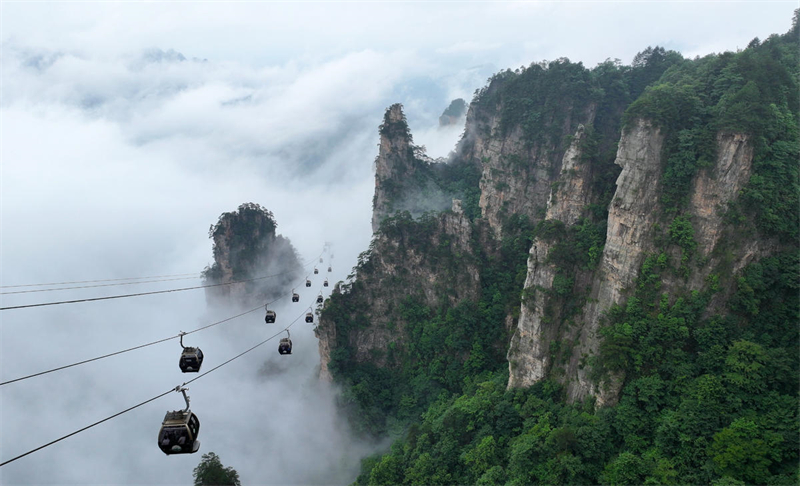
{"x":599,"y":193}
{"x":434,"y":264}
{"x":247,"y":251}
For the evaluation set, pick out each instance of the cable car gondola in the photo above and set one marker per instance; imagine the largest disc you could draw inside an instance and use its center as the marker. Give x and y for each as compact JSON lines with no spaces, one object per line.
{"x":285,"y":346}
{"x":316,"y":271}
{"x":179,"y":430}
{"x":320,"y":299}
{"x":308,"y":283}
{"x":329,"y":268}
{"x":191,"y":358}
{"x":325,"y":283}
{"x":295,"y":296}
{"x":320,"y":259}
{"x":309,"y":317}
{"x":270,"y":317}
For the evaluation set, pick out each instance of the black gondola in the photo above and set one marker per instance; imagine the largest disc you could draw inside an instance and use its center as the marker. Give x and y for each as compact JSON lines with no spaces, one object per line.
{"x":320,"y":299}
{"x":191,"y":358}
{"x":309,"y":317}
{"x":316,"y":271}
{"x":320,"y":259}
{"x":285,"y":346}
{"x":295,"y":297}
{"x":270,"y":317}
{"x":325,"y":283}
{"x":179,"y":431}
{"x":329,"y":269}
{"x":308,"y":283}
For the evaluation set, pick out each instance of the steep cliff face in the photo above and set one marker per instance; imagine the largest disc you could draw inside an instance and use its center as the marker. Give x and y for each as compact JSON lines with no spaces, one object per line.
{"x":529,"y":353}
{"x":404,"y":262}
{"x":713,"y":190}
{"x":631,"y":216}
{"x":516,"y":174}
{"x":247,"y":252}
{"x":715,"y":187}
{"x":518,"y":131}
{"x":453,"y":113}
{"x":406,"y":179}
{"x":394,"y":166}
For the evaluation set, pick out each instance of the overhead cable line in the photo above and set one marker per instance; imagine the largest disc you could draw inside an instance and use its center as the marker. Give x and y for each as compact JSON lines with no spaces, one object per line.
{"x":143,"y":345}
{"x":177,"y":388}
{"x":95,"y":281}
{"x":247,"y":351}
{"x":123,"y":296}
{"x":86,"y":428}
{"x":129,"y":349}
{"x":97,"y":285}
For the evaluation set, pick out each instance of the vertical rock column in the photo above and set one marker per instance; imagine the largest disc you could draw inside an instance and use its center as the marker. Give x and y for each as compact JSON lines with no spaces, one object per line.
{"x":529,"y":354}
{"x":631,"y":215}
{"x":394,"y":165}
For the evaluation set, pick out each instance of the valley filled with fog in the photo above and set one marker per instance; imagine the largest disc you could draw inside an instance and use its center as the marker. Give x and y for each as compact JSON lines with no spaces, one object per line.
{"x":125,"y":133}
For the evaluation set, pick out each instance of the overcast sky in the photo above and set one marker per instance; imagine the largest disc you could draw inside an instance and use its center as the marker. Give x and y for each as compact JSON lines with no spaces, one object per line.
{"x":128,"y":128}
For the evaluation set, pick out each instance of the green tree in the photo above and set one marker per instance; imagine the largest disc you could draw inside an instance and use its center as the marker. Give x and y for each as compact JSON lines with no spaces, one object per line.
{"x":744,"y":451}
{"x":211,"y":472}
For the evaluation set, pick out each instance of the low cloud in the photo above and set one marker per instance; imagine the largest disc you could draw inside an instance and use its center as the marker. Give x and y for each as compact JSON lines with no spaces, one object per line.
{"x":127,"y":129}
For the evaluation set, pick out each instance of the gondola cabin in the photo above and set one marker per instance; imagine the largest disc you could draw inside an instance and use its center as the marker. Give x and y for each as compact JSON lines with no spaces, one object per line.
{"x":295,"y":297}
{"x":316,"y":271}
{"x":270,"y":317}
{"x":320,"y":259}
{"x":309,"y":317}
{"x":329,"y":269}
{"x":308,"y":283}
{"x":178,"y":434}
{"x":285,"y":346}
{"x":320,"y":299}
{"x":191,"y":360}
{"x":325,"y":283}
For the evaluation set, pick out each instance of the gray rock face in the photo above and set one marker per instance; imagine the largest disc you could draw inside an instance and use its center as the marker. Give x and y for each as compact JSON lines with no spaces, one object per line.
{"x":529,"y":353}
{"x":395,"y":163}
{"x":391,"y":262}
{"x":631,"y":216}
{"x":516,"y":176}
{"x":712,"y":189}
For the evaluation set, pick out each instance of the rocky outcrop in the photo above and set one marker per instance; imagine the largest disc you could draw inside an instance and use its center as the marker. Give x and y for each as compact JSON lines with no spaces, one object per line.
{"x":712,"y":190}
{"x":516,"y":174}
{"x":399,"y":257}
{"x":453,"y":113}
{"x":405,"y":177}
{"x":252,"y":264}
{"x":629,"y":236}
{"x":529,"y":354}
{"x":394,"y":165}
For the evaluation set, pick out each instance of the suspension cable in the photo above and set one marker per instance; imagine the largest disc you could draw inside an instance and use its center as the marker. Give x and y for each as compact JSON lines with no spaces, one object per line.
{"x":98,"y":285}
{"x":94,"y":281}
{"x":177,"y":388}
{"x":247,"y":351}
{"x":126,"y":350}
{"x":144,"y":345}
{"x":87,"y":427}
{"x":122,"y":296}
